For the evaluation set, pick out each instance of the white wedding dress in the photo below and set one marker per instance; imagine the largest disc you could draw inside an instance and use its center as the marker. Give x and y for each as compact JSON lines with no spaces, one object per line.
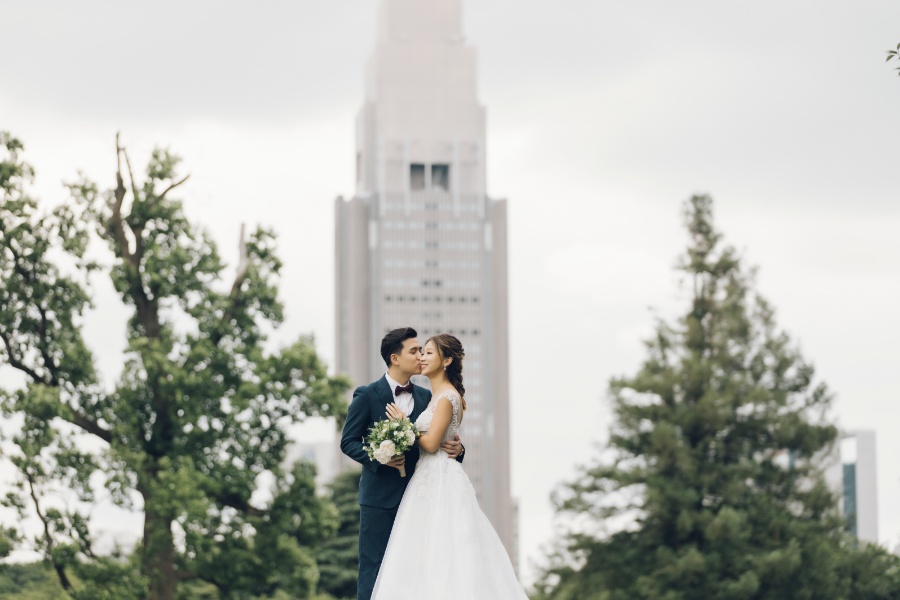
{"x":442,"y":547}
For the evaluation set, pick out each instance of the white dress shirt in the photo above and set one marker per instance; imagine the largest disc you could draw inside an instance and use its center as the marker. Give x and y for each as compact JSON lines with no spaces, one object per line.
{"x":404,"y":400}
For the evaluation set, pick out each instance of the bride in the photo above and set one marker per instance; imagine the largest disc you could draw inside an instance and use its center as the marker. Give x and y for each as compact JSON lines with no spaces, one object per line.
{"x":442,"y":546}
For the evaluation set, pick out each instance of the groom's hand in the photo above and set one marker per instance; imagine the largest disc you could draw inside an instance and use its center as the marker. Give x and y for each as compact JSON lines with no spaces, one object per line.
{"x":397,"y":462}
{"x":453,"y":447}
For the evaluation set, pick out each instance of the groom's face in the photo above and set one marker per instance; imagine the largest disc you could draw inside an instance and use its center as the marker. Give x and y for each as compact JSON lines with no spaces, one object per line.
{"x":408,"y":359}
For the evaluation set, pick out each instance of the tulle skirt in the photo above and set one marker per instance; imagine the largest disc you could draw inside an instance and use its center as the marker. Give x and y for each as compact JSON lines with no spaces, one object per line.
{"x":442,"y":546}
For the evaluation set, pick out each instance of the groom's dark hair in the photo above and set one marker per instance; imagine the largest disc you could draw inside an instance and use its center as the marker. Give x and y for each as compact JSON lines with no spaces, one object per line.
{"x":392,"y":342}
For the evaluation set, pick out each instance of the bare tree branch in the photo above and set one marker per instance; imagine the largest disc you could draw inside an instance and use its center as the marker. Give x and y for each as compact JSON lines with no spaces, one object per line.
{"x":134,"y":190}
{"x":16,"y":363}
{"x":116,"y":218}
{"x":243,"y":265}
{"x":48,"y":537}
{"x":171,"y":187}
{"x":146,"y":307}
{"x":79,"y":419}
{"x":137,"y":229}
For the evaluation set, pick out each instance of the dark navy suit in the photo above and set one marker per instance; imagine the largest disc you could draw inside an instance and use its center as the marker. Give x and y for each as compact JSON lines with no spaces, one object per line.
{"x":380,"y":487}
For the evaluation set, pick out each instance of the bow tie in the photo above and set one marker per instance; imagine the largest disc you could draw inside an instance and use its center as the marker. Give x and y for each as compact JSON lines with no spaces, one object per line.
{"x":403,"y":388}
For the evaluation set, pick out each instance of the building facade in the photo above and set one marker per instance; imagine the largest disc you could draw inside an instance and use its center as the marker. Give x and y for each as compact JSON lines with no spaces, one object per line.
{"x":859,"y":484}
{"x":420,"y":243}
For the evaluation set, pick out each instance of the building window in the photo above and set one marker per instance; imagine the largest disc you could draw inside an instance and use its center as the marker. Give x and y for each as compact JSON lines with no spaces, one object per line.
{"x":417,"y":176}
{"x":440,"y":177}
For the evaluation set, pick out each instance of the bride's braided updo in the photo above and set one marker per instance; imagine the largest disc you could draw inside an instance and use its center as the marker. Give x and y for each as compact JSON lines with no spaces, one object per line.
{"x":449,"y":346}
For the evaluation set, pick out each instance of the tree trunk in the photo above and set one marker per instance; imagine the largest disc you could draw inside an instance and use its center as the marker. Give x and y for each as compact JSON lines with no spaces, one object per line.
{"x":158,"y":560}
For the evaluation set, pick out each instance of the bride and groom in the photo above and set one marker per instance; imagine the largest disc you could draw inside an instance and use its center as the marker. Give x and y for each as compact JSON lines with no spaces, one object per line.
{"x":423,"y":535}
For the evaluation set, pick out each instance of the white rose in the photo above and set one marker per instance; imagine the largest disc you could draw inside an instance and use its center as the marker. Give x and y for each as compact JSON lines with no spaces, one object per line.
{"x":385,"y":452}
{"x":410,"y":436}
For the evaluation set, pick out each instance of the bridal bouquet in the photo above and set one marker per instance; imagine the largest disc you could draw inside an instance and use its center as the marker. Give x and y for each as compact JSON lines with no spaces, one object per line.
{"x":389,"y":438}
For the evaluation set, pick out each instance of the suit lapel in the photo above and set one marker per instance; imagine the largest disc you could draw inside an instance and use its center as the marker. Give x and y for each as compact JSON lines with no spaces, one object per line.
{"x":384,"y":393}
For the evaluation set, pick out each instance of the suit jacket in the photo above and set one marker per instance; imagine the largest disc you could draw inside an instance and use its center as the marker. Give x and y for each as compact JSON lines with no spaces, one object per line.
{"x":380,"y":486}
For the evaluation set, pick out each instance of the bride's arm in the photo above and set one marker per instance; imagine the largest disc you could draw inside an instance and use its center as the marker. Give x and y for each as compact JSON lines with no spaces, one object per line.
{"x":430,"y":441}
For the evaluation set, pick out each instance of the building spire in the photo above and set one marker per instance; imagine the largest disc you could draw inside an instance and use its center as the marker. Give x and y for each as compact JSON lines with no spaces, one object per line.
{"x":435,"y":21}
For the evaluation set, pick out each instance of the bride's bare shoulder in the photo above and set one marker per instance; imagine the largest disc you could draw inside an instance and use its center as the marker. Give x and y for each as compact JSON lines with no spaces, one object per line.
{"x":448,"y":393}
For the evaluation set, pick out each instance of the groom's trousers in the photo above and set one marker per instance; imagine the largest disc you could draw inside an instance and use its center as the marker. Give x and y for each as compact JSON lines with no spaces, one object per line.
{"x":374,"y":532}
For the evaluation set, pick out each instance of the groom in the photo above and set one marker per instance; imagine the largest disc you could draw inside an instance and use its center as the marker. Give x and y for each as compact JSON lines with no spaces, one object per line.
{"x":381,"y":487}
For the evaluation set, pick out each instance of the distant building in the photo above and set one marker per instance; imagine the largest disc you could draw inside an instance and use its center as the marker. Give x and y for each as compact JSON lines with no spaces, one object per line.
{"x":860,"y":489}
{"x":420,"y":243}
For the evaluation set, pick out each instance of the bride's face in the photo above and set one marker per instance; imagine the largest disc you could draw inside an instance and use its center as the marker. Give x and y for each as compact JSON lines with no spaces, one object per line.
{"x":430,"y":361}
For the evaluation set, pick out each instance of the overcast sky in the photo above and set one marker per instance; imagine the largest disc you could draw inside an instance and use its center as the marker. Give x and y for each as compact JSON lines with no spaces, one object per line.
{"x":603,"y":117}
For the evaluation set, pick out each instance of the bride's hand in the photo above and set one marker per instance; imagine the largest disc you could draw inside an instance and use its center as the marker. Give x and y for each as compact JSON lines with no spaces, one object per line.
{"x":394,"y":412}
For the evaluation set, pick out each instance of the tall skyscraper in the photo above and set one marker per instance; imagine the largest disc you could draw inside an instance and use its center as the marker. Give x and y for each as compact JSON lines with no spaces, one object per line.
{"x":420,"y":244}
{"x":860,"y":490}
{"x":850,"y":472}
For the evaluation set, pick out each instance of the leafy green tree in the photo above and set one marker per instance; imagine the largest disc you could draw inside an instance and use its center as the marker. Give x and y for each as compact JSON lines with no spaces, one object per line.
{"x":199,"y":413}
{"x":894,"y":55}
{"x":8,"y":539}
{"x":711,"y":485}
{"x":34,"y":581}
{"x":280,"y":558}
{"x":338,"y":557}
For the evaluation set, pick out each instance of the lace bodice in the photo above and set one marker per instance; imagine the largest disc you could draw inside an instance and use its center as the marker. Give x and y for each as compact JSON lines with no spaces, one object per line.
{"x":423,"y":423}
{"x":433,"y":466}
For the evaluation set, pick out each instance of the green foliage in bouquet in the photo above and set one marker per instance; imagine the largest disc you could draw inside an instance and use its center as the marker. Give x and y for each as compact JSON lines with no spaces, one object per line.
{"x":389,"y":438}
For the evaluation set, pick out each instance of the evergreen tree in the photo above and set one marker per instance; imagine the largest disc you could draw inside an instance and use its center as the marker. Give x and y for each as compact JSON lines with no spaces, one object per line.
{"x":711,"y":487}
{"x":338,"y":557}
{"x":200,"y":412}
